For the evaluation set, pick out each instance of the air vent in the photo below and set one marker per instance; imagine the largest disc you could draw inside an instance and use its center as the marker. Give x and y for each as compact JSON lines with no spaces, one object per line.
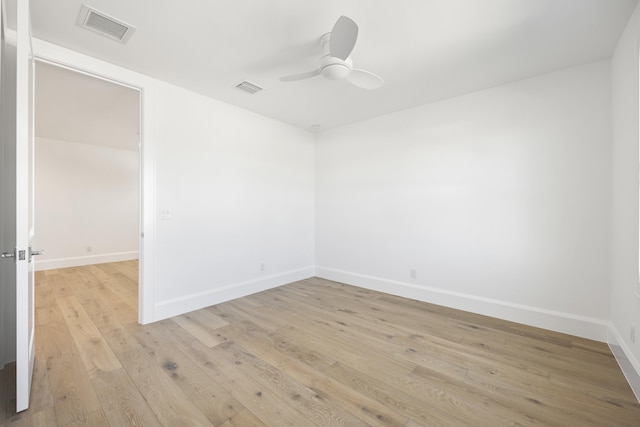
{"x":249,"y":87}
{"x":104,"y":24}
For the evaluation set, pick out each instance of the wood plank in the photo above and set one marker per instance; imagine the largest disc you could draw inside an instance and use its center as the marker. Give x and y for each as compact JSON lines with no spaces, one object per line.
{"x":121,"y":401}
{"x":314,"y":352}
{"x":128,"y":268}
{"x":199,"y":387}
{"x":44,"y":291}
{"x":240,"y":312}
{"x":168,"y":402}
{"x":414,"y":406}
{"x":54,"y":339}
{"x":262,"y":344}
{"x":60,"y":285}
{"x":41,"y":397}
{"x":107,"y":320}
{"x":94,"y":419}
{"x":202,"y":324}
{"x":127,"y":314}
{"x":304,"y":399}
{"x":73,"y":396}
{"x":269,"y":407}
{"x":48,"y":314}
{"x":43,"y":418}
{"x":120,"y":284}
{"x":243,"y":418}
{"x":93,"y":349}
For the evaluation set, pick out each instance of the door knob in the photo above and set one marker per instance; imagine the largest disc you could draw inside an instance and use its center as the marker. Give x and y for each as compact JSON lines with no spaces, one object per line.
{"x":33,"y":253}
{"x":8,"y":254}
{"x":16,"y":255}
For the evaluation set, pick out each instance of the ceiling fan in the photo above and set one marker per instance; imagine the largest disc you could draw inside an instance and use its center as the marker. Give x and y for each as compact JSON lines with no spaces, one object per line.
{"x":335,"y":63}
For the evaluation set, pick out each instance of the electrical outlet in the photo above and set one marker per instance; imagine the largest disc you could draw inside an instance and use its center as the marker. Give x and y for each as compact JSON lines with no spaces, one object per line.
{"x":89,"y":249}
{"x":166,"y":213}
{"x":632,"y":333}
{"x":261,"y":267}
{"x":412,"y":273}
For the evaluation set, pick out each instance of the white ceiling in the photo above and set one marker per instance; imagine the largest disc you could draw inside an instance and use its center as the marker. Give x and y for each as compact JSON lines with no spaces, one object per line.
{"x":426,"y":50}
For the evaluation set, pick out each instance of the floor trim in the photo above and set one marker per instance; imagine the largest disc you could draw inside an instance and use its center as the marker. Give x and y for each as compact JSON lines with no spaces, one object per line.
{"x":628,"y":363}
{"x":580,"y":326}
{"x":177,"y":306}
{"x":51,"y":264}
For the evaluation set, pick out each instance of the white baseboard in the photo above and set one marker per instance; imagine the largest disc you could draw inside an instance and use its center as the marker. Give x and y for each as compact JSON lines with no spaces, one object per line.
{"x":586,"y":327}
{"x":177,"y":306}
{"x":628,"y":363}
{"x":50,"y":264}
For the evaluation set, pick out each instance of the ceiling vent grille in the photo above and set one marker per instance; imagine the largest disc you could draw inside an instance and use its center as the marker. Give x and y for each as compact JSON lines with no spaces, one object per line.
{"x":249,"y":87}
{"x":104,"y":24}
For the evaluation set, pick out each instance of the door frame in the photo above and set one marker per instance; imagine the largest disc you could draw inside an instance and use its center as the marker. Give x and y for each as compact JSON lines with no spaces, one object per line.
{"x":58,"y":56}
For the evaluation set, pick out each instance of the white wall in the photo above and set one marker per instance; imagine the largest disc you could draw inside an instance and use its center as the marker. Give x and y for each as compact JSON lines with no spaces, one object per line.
{"x":240,"y":188}
{"x":625,"y":306}
{"x":85,"y":196}
{"x":499,"y":200}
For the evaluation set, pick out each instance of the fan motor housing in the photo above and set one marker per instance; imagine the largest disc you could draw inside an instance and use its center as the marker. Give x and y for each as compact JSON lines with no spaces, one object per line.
{"x":333,"y":68}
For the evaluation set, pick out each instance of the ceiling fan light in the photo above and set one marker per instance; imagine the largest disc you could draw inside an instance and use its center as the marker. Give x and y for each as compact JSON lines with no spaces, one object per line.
{"x":335,"y":71}
{"x":333,"y":68}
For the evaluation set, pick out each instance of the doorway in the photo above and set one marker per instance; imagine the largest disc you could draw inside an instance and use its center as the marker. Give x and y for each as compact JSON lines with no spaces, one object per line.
{"x":87,"y":168}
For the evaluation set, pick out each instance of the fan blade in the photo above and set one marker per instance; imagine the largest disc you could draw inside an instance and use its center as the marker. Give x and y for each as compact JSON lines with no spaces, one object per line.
{"x":301,"y":76}
{"x":343,"y":38}
{"x":364,"y":79}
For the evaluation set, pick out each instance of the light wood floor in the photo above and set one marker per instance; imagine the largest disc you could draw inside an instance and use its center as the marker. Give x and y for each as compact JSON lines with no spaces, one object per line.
{"x":313,"y":353}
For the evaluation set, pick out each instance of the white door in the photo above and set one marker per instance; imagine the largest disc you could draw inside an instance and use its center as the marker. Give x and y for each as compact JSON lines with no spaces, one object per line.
{"x":25,"y":348}
{"x":17,"y":139}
